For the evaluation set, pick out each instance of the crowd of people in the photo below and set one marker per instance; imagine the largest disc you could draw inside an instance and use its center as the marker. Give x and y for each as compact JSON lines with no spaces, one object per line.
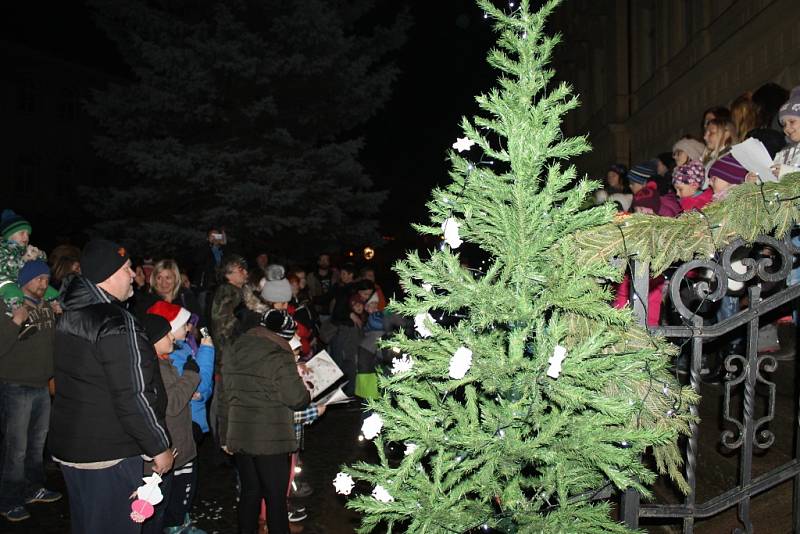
{"x":118,"y":368}
{"x":699,"y":172}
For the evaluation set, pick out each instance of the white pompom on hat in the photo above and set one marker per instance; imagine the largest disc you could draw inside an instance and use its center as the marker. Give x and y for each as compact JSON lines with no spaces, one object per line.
{"x":276,"y":286}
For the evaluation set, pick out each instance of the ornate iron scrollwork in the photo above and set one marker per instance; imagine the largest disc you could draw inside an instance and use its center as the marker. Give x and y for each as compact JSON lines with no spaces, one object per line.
{"x":714,"y":284}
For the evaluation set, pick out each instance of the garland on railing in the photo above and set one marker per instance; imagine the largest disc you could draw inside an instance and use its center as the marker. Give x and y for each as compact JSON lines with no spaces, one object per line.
{"x":749,"y":210}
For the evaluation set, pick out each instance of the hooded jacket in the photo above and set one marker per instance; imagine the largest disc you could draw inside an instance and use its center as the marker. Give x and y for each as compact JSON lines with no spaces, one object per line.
{"x":110,"y":401}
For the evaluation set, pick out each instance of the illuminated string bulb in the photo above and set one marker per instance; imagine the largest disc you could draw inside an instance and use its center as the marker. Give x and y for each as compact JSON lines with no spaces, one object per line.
{"x":665,"y":390}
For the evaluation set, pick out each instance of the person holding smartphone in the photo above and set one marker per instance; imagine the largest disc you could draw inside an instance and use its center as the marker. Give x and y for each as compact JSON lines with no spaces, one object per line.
{"x":182,"y":360}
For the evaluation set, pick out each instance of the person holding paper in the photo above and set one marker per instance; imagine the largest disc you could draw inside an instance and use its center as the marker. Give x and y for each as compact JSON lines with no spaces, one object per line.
{"x":788,"y":160}
{"x":263,"y":389}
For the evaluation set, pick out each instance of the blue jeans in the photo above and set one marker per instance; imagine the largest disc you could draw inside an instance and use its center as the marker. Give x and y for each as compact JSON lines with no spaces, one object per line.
{"x":728,"y":307}
{"x":24,"y":418}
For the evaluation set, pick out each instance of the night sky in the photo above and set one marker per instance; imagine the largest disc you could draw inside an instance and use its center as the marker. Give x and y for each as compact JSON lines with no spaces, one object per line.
{"x":442,"y":67}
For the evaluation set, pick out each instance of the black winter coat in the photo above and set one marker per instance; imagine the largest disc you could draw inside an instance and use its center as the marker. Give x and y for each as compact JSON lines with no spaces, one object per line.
{"x":110,"y":401}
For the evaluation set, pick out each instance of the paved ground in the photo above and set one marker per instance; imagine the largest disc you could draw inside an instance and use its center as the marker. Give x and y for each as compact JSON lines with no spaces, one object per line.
{"x":333,"y":442}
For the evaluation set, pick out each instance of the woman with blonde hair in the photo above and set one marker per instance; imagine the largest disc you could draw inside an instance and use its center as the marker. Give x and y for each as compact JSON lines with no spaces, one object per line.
{"x":744,"y":114}
{"x":165,"y":284}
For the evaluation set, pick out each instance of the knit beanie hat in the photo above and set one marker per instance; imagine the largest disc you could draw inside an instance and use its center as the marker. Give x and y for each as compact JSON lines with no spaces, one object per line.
{"x":276,"y":287}
{"x":31,"y":270}
{"x":693,"y":148}
{"x":642,"y":173}
{"x":155,"y":326}
{"x":176,"y":315}
{"x":11,"y":223}
{"x":102,"y":258}
{"x":692,"y":173}
{"x":792,"y":106}
{"x":728,"y":169}
{"x":280,"y":322}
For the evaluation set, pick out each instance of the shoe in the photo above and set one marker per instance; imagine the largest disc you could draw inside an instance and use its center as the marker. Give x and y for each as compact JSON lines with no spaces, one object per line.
{"x":18,"y":513}
{"x":301,"y":489}
{"x":296,"y":517}
{"x":43,"y":495}
{"x":181,"y":529}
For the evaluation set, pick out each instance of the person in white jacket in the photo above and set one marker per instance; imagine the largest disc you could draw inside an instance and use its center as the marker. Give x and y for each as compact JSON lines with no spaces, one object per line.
{"x":788,"y":160}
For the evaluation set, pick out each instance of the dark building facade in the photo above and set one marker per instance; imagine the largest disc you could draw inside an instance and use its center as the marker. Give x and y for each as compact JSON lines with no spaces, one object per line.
{"x":646,"y":69}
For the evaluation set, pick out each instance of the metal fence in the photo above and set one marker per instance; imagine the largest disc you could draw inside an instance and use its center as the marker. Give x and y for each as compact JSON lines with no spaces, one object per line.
{"x":692,"y":286}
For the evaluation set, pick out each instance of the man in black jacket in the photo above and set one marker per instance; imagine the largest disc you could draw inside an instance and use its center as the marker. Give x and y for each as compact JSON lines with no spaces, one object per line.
{"x":110,"y":401}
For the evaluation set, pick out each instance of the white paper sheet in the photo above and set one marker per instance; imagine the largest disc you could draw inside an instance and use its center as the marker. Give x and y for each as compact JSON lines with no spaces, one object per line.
{"x":321,"y":373}
{"x":753,"y":156}
{"x":337,"y":396}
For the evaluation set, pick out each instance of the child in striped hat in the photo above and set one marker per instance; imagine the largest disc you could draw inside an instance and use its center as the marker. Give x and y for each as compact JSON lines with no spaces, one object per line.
{"x":724,"y":174}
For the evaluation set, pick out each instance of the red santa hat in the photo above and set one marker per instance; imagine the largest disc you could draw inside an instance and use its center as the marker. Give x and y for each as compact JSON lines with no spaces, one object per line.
{"x":176,"y":315}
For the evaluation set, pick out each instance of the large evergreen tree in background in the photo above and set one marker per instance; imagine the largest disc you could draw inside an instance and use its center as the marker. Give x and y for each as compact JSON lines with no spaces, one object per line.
{"x":542,"y":396}
{"x":242,"y":114}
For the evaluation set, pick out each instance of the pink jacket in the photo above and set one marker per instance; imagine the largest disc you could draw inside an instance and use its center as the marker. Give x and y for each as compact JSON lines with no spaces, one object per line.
{"x":697,"y":202}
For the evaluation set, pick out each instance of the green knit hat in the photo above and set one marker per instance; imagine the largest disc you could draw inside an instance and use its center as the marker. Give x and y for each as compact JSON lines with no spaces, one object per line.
{"x":11,"y":223}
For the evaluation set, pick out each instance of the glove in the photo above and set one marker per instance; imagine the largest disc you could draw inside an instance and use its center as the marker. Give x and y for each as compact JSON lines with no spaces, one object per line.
{"x":191,"y":365}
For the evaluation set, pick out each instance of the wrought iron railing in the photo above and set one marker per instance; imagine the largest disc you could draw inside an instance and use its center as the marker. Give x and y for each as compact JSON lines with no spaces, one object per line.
{"x":692,"y":285}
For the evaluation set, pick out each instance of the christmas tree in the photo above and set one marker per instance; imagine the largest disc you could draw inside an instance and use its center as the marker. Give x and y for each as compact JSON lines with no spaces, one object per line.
{"x":244,"y":115}
{"x":542,"y":397}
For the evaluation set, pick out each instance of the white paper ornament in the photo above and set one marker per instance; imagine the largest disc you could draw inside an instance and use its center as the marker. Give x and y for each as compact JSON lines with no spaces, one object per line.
{"x":343,"y":483}
{"x":150,"y":491}
{"x":420,"y":326}
{"x":460,"y":363}
{"x":402,"y":364}
{"x":427,"y":287}
{"x":380,"y":494}
{"x":559,"y":353}
{"x":450,"y":229}
{"x":410,"y":448}
{"x":372,"y":426}
{"x":463,"y":143}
